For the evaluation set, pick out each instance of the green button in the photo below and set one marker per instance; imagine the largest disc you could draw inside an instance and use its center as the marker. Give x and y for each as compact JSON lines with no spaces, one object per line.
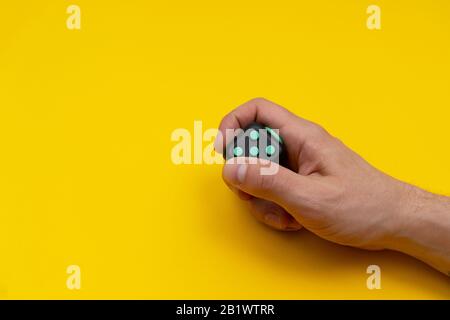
{"x":254,"y":151}
{"x":238,"y":151}
{"x":270,"y":150}
{"x":254,"y":135}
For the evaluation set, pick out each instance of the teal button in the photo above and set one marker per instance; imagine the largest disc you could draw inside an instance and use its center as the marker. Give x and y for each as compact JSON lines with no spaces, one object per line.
{"x":238,"y":151}
{"x":254,"y":151}
{"x":270,"y":150}
{"x":254,"y":135}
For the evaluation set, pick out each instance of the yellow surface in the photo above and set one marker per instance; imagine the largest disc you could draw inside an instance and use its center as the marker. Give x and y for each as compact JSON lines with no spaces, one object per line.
{"x":86,"y":116}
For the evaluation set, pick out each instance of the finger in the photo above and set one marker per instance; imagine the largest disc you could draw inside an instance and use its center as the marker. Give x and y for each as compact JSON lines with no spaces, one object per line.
{"x":282,"y":186}
{"x":273,"y":215}
{"x":262,"y":111}
{"x":241,"y":194}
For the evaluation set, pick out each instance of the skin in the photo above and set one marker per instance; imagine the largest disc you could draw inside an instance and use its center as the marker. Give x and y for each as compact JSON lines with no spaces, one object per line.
{"x":333,"y":192}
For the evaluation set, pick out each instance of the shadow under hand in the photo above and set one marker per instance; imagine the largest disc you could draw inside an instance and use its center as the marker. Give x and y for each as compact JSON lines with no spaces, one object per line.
{"x":307,"y":261}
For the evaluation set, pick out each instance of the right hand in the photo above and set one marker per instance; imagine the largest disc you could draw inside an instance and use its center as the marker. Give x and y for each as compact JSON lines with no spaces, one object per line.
{"x":328,"y":188}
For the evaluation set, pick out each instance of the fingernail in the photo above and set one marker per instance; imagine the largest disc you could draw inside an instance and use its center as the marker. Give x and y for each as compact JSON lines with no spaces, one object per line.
{"x":241,"y":172}
{"x":273,"y":220}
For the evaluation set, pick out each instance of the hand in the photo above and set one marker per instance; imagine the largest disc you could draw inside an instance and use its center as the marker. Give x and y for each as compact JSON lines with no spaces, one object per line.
{"x":328,"y":188}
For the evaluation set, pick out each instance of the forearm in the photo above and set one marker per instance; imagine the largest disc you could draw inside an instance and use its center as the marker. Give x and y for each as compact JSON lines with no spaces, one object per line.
{"x":424,"y":230}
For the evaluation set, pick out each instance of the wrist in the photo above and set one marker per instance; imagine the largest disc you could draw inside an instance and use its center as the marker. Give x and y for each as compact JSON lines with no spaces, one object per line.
{"x":421,"y":227}
{"x":404,"y":217}
{"x":395,"y":206}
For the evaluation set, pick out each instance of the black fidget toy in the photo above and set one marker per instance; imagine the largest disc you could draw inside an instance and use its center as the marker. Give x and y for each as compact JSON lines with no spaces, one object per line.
{"x":256,"y":141}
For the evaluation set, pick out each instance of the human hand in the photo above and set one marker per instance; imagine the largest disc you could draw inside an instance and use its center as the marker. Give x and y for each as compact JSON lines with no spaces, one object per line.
{"x":328,"y":188}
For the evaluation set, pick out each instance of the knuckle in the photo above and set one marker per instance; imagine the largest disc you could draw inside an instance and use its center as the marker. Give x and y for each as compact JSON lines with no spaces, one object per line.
{"x":338,"y":143}
{"x":258,"y":100}
{"x":318,"y":141}
{"x":316,"y":130}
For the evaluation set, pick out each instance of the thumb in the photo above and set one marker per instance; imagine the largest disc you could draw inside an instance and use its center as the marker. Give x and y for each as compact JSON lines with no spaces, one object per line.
{"x":268,"y":180}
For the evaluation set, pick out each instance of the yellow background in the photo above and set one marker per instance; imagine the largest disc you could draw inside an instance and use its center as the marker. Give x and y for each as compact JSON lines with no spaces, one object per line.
{"x":86,"y":116}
